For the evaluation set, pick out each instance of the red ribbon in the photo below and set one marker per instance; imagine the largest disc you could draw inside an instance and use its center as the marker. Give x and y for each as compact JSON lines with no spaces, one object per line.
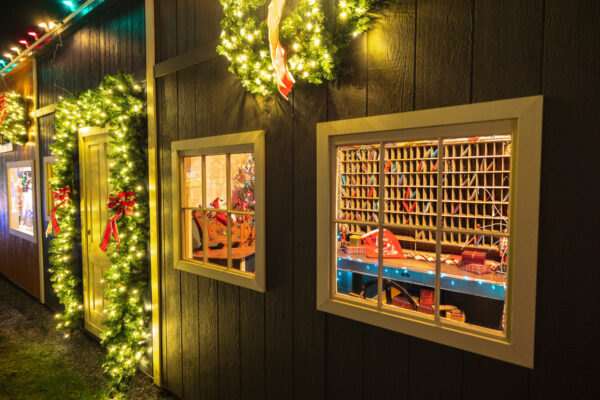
{"x":3,"y":101}
{"x":124,"y":203}
{"x":61,"y":198}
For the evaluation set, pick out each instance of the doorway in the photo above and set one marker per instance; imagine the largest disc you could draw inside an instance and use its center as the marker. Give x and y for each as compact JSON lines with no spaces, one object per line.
{"x":93,"y":168}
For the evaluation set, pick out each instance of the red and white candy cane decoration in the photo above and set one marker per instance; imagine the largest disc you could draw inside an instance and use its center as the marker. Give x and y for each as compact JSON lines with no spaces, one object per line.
{"x":62,"y":197}
{"x":124,"y":203}
{"x":285,"y":80}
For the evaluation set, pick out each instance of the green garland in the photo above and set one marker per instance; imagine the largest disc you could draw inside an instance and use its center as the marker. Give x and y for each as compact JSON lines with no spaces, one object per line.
{"x":119,"y":105}
{"x":13,"y":118}
{"x":314,"y":54}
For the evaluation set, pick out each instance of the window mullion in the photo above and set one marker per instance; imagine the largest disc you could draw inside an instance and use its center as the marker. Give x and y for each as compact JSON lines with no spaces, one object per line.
{"x":204,"y":214}
{"x":438,"y":233}
{"x":229,"y":208}
{"x":380,"y":207}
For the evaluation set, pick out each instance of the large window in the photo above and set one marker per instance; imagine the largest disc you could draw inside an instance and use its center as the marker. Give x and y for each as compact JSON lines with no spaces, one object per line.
{"x":421,"y":229}
{"x":219,"y":195}
{"x":21,"y":199}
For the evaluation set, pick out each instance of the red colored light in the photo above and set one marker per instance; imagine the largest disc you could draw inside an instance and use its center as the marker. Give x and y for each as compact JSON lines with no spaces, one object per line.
{"x":33,"y":34}
{"x":24,"y":42}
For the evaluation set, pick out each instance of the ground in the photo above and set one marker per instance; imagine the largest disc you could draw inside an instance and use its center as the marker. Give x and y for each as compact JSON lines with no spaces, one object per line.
{"x":37,"y":363}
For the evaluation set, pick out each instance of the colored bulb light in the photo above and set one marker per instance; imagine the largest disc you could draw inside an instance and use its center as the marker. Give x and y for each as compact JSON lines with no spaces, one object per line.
{"x":24,"y":42}
{"x":69,"y":4}
{"x":33,"y":34}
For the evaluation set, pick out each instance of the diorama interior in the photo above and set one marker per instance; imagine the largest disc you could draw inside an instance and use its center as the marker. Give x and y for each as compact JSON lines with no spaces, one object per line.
{"x":218,"y":206}
{"x":431,"y":207}
{"x":21,"y":206}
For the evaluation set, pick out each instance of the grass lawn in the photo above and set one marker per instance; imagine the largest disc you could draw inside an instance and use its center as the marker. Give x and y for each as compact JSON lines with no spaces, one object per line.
{"x":38,"y":363}
{"x":38,"y":371}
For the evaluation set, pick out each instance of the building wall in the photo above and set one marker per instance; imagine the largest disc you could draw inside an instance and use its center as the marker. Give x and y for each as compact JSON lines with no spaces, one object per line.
{"x":109,"y":39}
{"x":18,"y":257}
{"x":221,"y":341}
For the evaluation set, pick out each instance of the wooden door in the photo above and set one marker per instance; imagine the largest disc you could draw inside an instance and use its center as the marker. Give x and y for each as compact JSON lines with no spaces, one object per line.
{"x":94,"y":215}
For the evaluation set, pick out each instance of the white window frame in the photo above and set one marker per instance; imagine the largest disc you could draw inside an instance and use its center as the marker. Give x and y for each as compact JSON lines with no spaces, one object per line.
{"x":523,"y":117}
{"x":22,"y":164}
{"x":219,"y":145}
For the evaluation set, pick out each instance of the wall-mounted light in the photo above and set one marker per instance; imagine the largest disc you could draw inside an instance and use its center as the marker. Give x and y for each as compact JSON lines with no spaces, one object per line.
{"x":24,"y":42}
{"x":16,"y":50}
{"x":8,"y":55}
{"x":34,"y":35}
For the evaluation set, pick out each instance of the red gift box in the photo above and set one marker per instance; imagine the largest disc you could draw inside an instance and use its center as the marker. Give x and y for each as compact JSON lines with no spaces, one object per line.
{"x":479,"y":269}
{"x":355,"y":250}
{"x":427,"y":297}
{"x":473,"y":257}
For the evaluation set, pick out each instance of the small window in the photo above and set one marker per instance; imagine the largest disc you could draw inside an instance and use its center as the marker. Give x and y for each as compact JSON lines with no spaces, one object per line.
{"x":219,"y":200}
{"x":21,"y":199}
{"x":428,"y":224}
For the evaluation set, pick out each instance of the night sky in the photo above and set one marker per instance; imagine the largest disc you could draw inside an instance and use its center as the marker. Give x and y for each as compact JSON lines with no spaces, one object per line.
{"x":17,"y":17}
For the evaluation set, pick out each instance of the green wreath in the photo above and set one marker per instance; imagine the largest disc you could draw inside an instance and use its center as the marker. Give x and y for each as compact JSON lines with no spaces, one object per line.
{"x":118,"y":105}
{"x":314,"y":54}
{"x":13,"y":118}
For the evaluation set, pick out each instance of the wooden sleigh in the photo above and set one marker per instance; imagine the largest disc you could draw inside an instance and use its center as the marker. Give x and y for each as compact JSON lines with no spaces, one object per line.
{"x":242,"y":229}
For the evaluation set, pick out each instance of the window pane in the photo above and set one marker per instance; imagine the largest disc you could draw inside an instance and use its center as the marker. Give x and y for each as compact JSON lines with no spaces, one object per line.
{"x":192,"y":235}
{"x":216,"y":236}
{"x":358,"y":183}
{"x":21,"y":199}
{"x":216,"y":181}
{"x":409,"y":271}
{"x":357,"y":262}
{"x":474,"y":279}
{"x":192,"y":182}
{"x":411,"y":183}
{"x":476,"y":196}
{"x":242,"y":242}
{"x":476,"y":183}
{"x":242,"y":181}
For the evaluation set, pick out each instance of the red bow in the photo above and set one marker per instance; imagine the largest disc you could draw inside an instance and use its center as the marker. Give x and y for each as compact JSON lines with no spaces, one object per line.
{"x":124,"y":203}
{"x":61,"y":198}
{"x":3,"y":100}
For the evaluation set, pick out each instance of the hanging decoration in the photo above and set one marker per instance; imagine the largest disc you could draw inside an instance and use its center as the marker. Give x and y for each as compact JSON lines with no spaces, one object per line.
{"x":13,"y":118}
{"x":119,"y":106}
{"x":307,"y":50}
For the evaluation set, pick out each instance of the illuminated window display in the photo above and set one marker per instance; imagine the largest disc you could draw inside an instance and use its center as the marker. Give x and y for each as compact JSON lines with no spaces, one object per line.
{"x":220,"y":197}
{"x":427,"y":224}
{"x":473,"y":213}
{"x":21,"y":199}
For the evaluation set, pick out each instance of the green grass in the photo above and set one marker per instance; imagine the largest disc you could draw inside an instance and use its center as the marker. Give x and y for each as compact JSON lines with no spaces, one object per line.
{"x":34,"y":371}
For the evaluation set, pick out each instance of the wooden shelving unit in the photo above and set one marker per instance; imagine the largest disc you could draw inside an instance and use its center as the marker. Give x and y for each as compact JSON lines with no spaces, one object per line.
{"x":474,"y":188}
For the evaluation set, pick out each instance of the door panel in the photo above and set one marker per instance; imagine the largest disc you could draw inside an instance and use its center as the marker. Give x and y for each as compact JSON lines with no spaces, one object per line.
{"x":94,"y":194}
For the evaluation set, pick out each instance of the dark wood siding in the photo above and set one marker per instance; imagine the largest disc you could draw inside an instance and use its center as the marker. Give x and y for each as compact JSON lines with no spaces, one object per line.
{"x":19,"y":258}
{"x":221,"y":341}
{"x":110,"y":39}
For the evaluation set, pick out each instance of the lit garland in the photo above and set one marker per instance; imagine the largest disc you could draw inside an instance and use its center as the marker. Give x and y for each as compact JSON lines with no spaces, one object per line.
{"x":314,"y":52}
{"x":118,"y":105}
{"x":13,"y":118}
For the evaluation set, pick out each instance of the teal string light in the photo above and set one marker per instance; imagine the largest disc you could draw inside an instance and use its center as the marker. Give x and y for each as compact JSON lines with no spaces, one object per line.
{"x":69,"y":4}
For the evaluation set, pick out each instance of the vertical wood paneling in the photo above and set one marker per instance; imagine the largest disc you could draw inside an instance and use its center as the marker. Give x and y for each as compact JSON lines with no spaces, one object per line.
{"x":391,"y":55}
{"x":172,"y":288}
{"x":571,"y":87}
{"x":419,"y":54}
{"x":507,"y":49}
{"x":443,"y":53}
{"x":229,"y":342}
{"x":310,"y":107}
{"x":279,"y":334}
{"x":209,"y":338}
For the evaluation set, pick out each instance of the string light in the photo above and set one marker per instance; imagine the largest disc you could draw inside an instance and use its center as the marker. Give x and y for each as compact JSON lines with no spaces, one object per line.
{"x":118,"y":104}
{"x":34,"y":35}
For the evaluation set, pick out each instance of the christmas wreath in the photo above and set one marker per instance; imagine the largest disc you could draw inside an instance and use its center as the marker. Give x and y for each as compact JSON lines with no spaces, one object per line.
{"x":307,"y":50}
{"x":13,"y":118}
{"x":118,"y":105}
